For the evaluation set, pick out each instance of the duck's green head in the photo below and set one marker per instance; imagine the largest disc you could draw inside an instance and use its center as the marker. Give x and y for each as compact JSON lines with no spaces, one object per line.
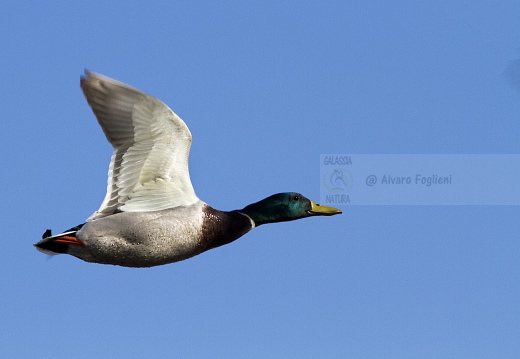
{"x":283,"y":207}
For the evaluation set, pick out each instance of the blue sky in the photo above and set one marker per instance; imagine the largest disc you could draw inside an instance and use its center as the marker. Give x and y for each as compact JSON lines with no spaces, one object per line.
{"x":265,"y":89}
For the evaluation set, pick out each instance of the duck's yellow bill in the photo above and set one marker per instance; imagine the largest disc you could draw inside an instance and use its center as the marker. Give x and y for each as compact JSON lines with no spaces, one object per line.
{"x":319,"y":210}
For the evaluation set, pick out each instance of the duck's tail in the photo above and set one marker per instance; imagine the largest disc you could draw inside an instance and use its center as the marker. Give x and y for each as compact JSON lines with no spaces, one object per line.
{"x":59,"y":243}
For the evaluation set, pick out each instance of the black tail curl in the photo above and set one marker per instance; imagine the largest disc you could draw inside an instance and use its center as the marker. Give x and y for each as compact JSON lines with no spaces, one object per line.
{"x":50,"y":246}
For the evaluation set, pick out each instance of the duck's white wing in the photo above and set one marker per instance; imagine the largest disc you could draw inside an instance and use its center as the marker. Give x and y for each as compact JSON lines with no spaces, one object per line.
{"x":149,"y":166}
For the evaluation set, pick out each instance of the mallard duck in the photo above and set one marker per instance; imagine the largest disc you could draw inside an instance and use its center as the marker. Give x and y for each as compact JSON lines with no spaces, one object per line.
{"x":151,"y":215}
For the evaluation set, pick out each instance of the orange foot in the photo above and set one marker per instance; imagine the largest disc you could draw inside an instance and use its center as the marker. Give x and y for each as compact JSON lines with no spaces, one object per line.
{"x":70,"y":240}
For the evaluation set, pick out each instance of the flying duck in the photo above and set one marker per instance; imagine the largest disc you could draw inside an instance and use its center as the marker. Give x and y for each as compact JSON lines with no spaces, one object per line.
{"x":151,"y":215}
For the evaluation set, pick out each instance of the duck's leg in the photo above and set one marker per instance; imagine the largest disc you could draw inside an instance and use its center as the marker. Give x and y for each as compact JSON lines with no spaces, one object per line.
{"x":69,"y":240}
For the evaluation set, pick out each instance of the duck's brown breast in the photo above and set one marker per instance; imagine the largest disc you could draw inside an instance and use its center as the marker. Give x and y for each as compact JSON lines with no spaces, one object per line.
{"x":219,"y":227}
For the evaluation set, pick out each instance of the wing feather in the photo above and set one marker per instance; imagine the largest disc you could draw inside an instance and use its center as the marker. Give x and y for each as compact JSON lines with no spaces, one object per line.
{"x":149,"y":166}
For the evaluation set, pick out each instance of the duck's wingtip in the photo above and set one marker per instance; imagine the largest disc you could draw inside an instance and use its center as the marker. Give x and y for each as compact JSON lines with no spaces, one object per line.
{"x":86,"y":74}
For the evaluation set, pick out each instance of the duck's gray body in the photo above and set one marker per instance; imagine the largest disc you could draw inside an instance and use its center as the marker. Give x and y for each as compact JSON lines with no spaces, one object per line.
{"x":145,"y":239}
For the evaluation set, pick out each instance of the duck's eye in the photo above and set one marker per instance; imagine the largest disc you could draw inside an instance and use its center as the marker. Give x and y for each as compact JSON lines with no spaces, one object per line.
{"x":296,"y":198}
